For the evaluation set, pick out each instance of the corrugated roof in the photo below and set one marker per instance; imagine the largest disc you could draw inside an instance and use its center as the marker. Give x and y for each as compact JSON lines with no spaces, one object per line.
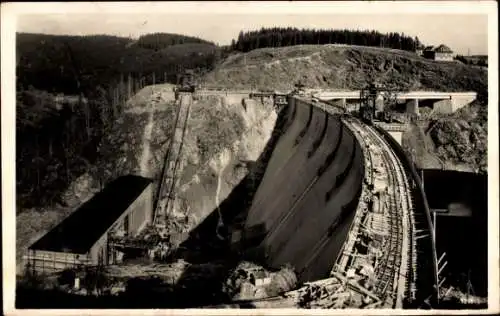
{"x":80,"y":230}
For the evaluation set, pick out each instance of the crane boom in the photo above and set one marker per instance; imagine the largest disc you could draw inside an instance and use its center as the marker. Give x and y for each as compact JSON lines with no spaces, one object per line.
{"x":169,"y":181}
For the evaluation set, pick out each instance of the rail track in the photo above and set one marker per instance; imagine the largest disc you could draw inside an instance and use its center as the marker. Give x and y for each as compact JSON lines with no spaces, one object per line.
{"x":392,"y":268}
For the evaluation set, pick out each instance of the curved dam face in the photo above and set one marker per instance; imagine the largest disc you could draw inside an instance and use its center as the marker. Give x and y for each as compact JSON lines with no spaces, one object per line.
{"x":309,"y":192}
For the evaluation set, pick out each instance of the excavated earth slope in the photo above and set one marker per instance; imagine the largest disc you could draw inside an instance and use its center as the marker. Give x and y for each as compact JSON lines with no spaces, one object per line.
{"x":343,"y":67}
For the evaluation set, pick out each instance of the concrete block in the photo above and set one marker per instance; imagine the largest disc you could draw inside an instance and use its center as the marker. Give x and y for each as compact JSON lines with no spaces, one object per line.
{"x":443,"y":106}
{"x":412,"y":106}
{"x":459,"y":101}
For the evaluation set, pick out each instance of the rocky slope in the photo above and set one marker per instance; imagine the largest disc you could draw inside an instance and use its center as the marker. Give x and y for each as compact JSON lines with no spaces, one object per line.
{"x":454,"y":142}
{"x":220,"y":137}
{"x":462,"y":139}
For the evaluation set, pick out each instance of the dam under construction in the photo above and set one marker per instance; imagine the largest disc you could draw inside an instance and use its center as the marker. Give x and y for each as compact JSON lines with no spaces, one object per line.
{"x":339,"y":203}
{"x":296,"y":164}
{"x":336,"y":201}
{"x":331,"y":198}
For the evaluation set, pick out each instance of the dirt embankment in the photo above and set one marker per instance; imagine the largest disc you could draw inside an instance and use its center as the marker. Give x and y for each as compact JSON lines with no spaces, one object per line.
{"x":221,"y":137}
{"x":348,"y":67}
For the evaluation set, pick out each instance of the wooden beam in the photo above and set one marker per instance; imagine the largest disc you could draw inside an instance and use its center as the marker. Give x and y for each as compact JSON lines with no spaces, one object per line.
{"x":442,"y":267}
{"x":441,"y":282}
{"x":422,"y":236}
{"x":356,"y":286}
{"x":441,"y":258}
{"x":53,"y":259}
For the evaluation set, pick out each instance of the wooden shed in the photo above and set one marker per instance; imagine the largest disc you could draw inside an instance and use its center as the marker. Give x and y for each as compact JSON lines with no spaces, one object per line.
{"x":82,"y":237}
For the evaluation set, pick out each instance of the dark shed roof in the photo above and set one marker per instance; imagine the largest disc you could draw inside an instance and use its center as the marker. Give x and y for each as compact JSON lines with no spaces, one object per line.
{"x":80,"y":230}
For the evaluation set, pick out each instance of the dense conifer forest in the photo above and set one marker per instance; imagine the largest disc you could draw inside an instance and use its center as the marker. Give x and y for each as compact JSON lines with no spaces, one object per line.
{"x":280,"y":37}
{"x":58,"y":140}
{"x":164,"y":40}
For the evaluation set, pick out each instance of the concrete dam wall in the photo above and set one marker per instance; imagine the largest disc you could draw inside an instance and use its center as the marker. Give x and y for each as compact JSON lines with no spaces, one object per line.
{"x":309,"y":193}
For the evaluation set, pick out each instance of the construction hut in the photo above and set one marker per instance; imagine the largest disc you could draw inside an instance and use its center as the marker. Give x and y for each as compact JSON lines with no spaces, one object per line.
{"x":81,"y":239}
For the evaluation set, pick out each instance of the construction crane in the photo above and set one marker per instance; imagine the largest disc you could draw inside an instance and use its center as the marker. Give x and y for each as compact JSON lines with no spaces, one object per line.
{"x":368,"y":96}
{"x":299,"y":88}
{"x":377,"y":101}
{"x":170,"y":180}
{"x":185,"y":83}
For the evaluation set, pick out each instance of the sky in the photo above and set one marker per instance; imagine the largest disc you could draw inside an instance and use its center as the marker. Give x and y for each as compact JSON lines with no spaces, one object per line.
{"x":463,"y":33}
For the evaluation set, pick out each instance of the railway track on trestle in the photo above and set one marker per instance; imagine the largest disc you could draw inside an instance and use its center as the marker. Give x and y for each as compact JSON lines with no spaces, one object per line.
{"x":391,"y":273}
{"x":393,"y":219}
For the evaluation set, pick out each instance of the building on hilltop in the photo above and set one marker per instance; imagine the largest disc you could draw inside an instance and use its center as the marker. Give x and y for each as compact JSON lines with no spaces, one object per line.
{"x":440,"y":53}
{"x":81,"y":239}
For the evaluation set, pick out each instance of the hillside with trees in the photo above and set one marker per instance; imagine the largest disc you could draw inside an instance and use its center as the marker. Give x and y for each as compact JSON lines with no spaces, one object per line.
{"x":70,"y":92}
{"x":72,"y":64}
{"x":163,"y":40}
{"x":55,"y":146}
{"x":101,"y":72}
{"x":281,"y":37}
